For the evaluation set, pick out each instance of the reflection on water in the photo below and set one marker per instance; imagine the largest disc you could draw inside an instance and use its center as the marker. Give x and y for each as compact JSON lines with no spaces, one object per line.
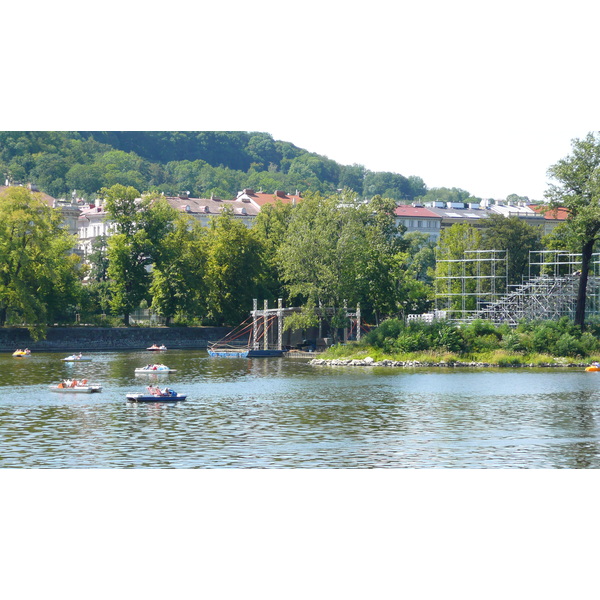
{"x":266,"y":413}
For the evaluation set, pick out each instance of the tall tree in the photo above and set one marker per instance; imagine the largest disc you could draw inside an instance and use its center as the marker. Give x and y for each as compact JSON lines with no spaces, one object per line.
{"x":270,"y":229}
{"x":233,"y":270}
{"x":37,"y":274}
{"x":577,"y":189}
{"x":515,"y":236}
{"x":178,"y":284}
{"x":339,"y":249}
{"x":142,"y":224}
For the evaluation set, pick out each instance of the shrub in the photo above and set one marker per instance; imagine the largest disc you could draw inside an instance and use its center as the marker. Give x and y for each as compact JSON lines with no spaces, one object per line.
{"x":516,"y":342}
{"x":568,"y":345}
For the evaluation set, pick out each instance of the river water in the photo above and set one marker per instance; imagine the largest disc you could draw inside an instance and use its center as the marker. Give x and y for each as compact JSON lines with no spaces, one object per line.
{"x":285,"y":413}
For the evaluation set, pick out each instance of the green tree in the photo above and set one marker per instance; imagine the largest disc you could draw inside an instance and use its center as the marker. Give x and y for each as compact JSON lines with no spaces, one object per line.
{"x":577,"y":189}
{"x":339,"y":249}
{"x":270,"y":229}
{"x":515,"y":236}
{"x":37,"y":274}
{"x":178,"y":280}
{"x":420,"y":256}
{"x":129,"y":278}
{"x":142,"y":224}
{"x":233,"y":270}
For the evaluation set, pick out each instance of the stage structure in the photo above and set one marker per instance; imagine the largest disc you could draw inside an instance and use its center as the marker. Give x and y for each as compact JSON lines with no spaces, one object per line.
{"x":475,"y":287}
{"x":268,"y":325}
{"x":466,"y":286}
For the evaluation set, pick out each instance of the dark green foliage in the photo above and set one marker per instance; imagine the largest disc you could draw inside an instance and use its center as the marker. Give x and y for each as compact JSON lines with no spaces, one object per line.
{"x":557,"y":338}
{"x":394,"y":335}
{"x":200,"y":162}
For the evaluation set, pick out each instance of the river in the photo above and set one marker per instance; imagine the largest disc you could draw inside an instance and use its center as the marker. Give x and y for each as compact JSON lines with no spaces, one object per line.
{"x":285,"y":413}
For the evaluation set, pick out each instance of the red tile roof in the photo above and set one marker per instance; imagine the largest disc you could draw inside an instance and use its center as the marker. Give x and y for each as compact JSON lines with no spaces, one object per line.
{"x":557,"y":214}
{"x":407,"y":210}
{"x":261,"y":199}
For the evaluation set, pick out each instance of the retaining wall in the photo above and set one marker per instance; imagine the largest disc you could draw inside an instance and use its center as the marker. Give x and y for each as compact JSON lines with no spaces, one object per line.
{"x":110,"y":338}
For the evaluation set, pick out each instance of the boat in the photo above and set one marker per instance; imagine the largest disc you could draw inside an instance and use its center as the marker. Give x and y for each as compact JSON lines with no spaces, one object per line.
{"x":154,"y":347}
{"x":243,"y":352}
{"x":22,"y":353}
{"x":225,"y":351}
{"x":154,"y":369}
{"x":593,"y":367}
{"x":73,"y":386}
{"x":76,"y":358}
{"x":155,"y":394}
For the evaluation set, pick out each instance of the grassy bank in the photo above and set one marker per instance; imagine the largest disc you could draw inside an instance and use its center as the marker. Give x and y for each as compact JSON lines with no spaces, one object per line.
{"x":535,"y":344}
{"x":500,"y":358}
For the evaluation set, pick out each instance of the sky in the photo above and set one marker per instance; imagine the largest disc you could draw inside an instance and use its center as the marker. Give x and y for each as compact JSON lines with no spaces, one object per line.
{"x":462,"y":94}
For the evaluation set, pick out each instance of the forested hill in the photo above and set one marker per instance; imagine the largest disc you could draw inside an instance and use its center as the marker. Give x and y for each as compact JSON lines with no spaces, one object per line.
{"x":201,"y":163}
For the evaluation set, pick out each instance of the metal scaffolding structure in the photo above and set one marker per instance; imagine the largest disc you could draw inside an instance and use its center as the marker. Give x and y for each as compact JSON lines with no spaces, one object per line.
{"x":549,"y":293}
{"x":466,"y":286}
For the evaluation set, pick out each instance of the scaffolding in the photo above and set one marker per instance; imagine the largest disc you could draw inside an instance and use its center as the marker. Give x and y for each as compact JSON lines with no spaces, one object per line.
{"x":477,"y":288}
{"x":466,"y":286}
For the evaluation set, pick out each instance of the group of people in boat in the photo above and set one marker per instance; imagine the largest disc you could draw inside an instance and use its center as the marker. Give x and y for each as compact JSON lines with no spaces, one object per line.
{"x":156,"y":367}
{"x":71,"y":383}
{"x":20,"y":352}
{"x":156,"y":347}
{"x":156,"y":391}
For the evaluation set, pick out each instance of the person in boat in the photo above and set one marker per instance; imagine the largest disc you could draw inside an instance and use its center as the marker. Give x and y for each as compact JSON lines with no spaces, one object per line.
{"x":595,"y":364}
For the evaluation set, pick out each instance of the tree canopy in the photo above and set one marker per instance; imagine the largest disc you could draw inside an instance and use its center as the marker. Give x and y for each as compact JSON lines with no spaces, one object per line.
{"x":577,"y":189}
{"x":36,"y":271}
{"x":204,"y":163}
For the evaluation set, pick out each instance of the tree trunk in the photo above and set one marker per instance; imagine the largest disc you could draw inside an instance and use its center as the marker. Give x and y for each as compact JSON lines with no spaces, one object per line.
{"x":126,"y":319}
{"x":586,"y":256}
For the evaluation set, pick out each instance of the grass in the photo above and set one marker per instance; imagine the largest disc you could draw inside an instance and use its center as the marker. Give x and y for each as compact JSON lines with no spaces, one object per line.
{"x":498,"y":357}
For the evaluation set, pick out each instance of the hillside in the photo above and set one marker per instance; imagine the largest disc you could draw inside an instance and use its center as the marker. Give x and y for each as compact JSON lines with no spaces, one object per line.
{"x":203,"y":163}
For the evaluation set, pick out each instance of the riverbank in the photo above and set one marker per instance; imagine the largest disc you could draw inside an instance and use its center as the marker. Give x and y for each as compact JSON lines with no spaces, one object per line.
{"x":370,"y":362}
{"x":84,"y":338}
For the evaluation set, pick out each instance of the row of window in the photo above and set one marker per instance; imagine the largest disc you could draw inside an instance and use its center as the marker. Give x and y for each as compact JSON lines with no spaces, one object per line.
{"x":421,"y":224}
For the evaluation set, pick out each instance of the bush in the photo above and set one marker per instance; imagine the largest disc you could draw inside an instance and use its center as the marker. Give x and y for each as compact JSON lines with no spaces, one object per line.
{"x":568,"y":345}
{"x":516,"y":342}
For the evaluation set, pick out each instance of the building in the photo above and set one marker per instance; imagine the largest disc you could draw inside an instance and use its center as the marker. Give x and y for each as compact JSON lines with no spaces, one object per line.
{"x":203,"y":209}
{"x":260,"y":199}
{"x":551,"y":218}
{"x":68,"y":210}
{"x":415,"y":217}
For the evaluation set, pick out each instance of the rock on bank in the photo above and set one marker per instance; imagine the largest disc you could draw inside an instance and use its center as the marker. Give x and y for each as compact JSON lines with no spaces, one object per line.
{"x":369,"y":362}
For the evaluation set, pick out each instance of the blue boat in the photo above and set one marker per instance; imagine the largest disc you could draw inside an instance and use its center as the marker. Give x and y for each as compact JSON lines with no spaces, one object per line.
{"x":228,"y":353}
{"x":243,"y":352}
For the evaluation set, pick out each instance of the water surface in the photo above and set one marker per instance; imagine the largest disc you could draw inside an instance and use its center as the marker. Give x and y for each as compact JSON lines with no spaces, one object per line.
{"x":265,"y":413}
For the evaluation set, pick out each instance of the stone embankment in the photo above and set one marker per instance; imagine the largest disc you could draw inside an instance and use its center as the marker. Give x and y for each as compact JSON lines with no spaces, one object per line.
{"x":75,"y":339}
{"x":369,"y":362}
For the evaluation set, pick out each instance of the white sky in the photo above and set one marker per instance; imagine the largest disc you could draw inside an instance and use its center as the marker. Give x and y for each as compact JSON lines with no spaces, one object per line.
{"x":465,"y":94}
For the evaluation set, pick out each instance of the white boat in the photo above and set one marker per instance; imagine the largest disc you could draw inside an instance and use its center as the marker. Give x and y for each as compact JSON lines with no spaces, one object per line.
{"x":154,"y":369}
{"x":76,"y":358}
{"x":154,"y":347}
{"x":75,"y":387}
